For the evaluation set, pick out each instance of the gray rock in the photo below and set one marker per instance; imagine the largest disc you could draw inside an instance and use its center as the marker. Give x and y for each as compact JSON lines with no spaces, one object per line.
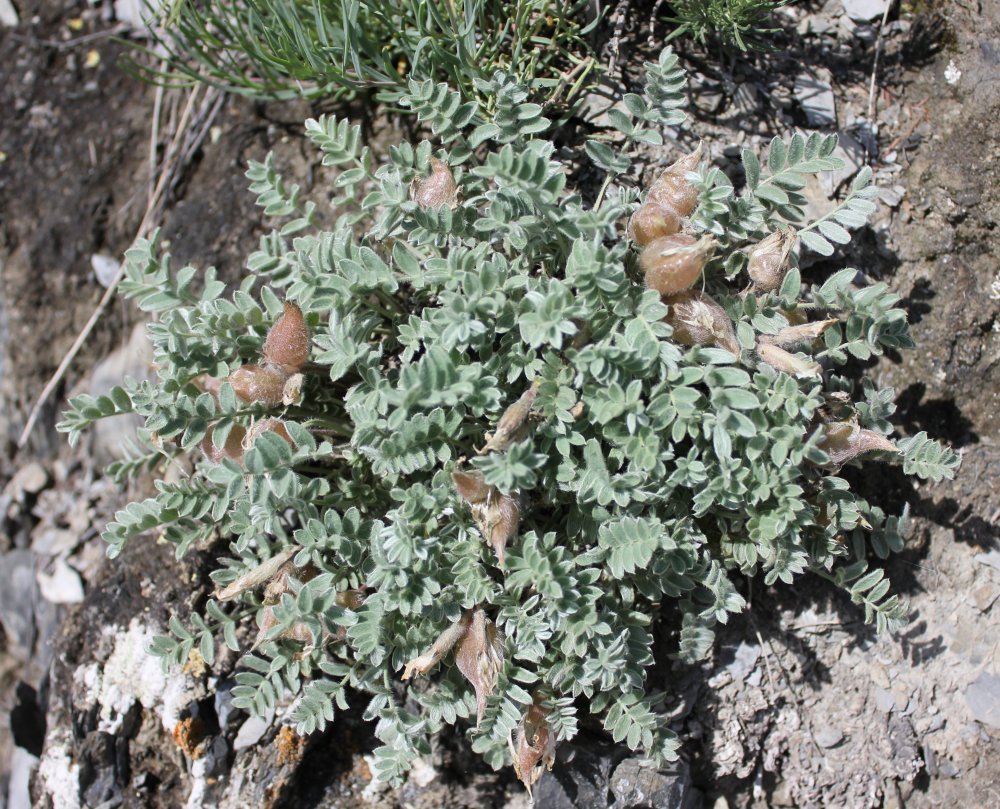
{"x":744,"y":660}
{"x":983,"y":699}
{"x":579,"y":780}
{"x":105,"y":269}
{"x":864,"y":10}
{"x":814,"y":93}
{"x":828,"y":736}
{"x":21,"y":765}
{"x":852,"y":152}
{"x":991,"y":559}
{"x":132,"y":360}
{"x":884,"y":700}
{"x":17,"y":597}
{"x":62,"y":585}
{"x":8,"y":14}
{"x":253,"y":730}
{"x":636,"y":785}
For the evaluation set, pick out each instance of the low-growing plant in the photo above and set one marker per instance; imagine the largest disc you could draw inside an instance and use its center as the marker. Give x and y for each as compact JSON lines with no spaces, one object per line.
{"x":331,"y":48}
{"x":496,"y":425}
{"x":733,"y":24}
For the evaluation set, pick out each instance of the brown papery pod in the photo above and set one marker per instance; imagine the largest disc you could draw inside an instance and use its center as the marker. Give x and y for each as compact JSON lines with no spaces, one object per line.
{"x":791,"y":336}
{"x":767,"y":263}
{"x":259,"y":384}
{"x":533,"y":747}
{"x":844,"y":441}
{"x":437,"y":189}
{"x":280,"y":585}
{"x":479,"y":657}
{"x":512,"y":425}
{"x":287,"y":343}
{"x":445,"y":641}
{"x":672,"y":188}
{"x":471,"y":486}
{"x":350,"y":599}
{"x":497,"y":518}
{"x":233,"y":448}
{"x":651,"y":221}
{"x":264,"y":572}
{"x":789,"y":363}
{"x":672,"y":264}
{"x":698,"y":320}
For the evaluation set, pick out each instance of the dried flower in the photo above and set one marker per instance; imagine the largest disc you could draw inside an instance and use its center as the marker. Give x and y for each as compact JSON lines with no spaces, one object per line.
{"x":445,"y":641}
{"x":513,"y":423}
{"x":437,"y":189}
{"x":287,"y":343}
{"x":533,"y":747}
{"x":672,"y":264}
{"x":844,"y":441}
{"x":767,"y":264}
{"x":791,"y":336}
{"x":791,"y":364}
{"x":264,"y":572}
{"x":276,"y":426}
{"x":697,"y":319}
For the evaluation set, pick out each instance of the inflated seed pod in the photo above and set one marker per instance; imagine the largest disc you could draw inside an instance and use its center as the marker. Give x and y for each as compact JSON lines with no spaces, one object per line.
{"x":672,"y":264}
{"x":232,"y":449}
{"x":258,"y":384}
{"x":698,"y":320}
{"x":287,"y":344}
{"x":436,"y":189}
{"x":767,"y":263}
{"x":651,"y":221}
{"x":672,"y":188}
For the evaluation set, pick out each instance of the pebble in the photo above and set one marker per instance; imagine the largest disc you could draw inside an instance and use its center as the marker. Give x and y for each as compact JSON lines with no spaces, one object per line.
{"x":884,"y":700}
{"x":8,"y":14}
{"x":579,"y":780}
{"x":105,"y":269}
{"x":30,"y":478}
{"x":62,"y":585}
{"x":992,"y":559}
{"x":17,"y":572}
{"x":252,"y":731}
{"x":828,"y":736}
{"x":983,"y":699}
{"x":635,"y":785}
{"x":864,"y":10}
{"x":814,"y":93}
{"x":744,"y":660}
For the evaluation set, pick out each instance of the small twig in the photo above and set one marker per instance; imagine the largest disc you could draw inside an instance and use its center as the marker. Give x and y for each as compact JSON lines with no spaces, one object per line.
{"x":620,"y":12}
{"x":897,"y":142}
{"x":66,"y":44}
{"x":176,"y":155}
{"x":878,"y":54}
{"x":651,"y":42}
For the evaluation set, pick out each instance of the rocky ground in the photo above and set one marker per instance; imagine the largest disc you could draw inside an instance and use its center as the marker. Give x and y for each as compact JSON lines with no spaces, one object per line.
{"x":802,"y":704}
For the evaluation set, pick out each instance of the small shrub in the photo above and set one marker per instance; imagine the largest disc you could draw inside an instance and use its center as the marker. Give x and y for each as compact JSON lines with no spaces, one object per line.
{"x":733,"y":24}
{"x":328,"y":48}
{"x":501,"y":442}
